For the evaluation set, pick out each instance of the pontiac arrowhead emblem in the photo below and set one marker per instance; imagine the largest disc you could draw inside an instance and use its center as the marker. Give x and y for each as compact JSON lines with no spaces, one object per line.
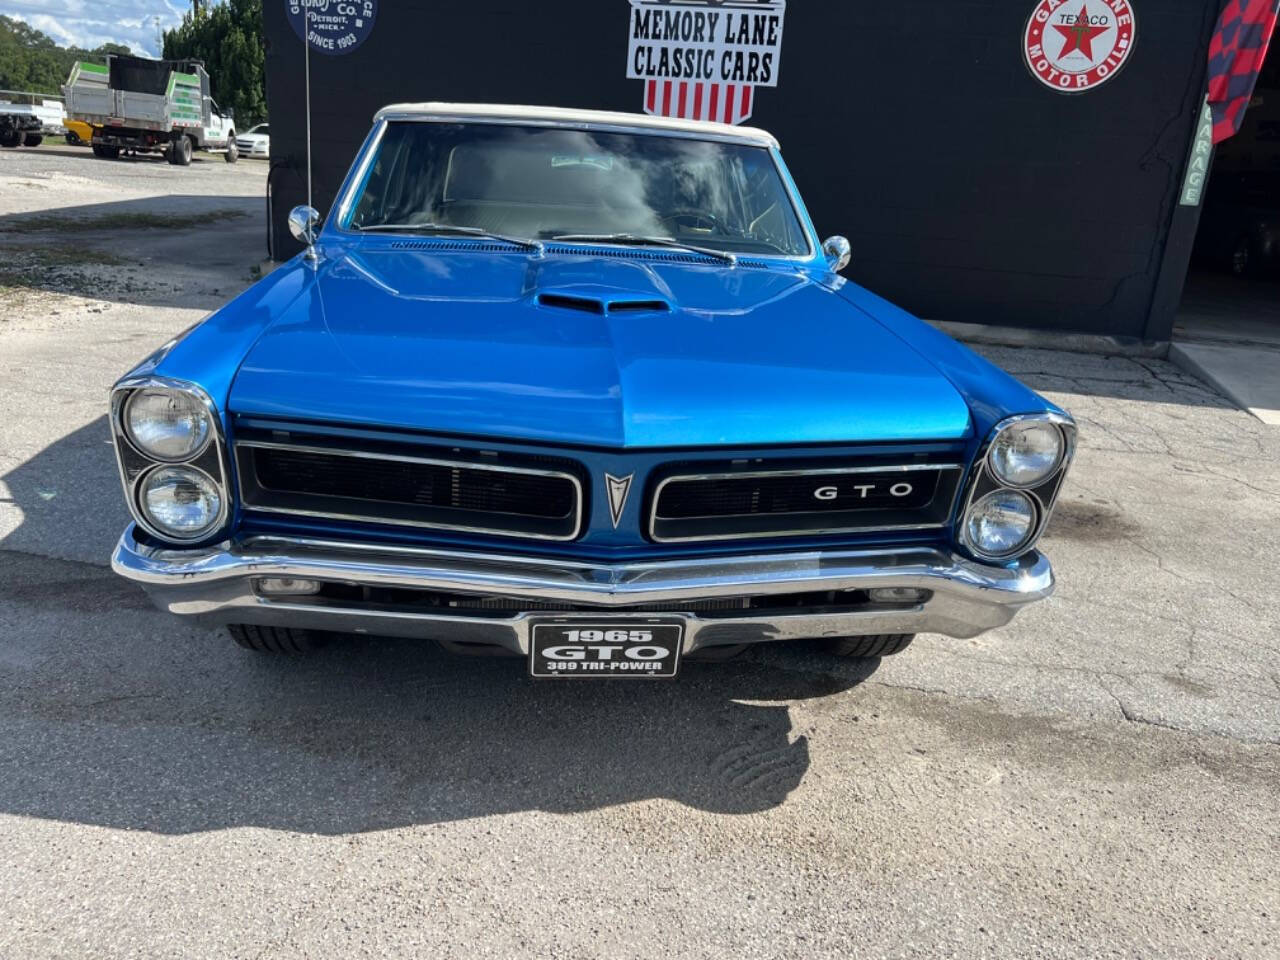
{"x":618,"y":488}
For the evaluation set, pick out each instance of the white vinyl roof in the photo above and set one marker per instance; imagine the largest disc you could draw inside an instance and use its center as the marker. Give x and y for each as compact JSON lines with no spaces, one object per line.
{"x":562,"y":116}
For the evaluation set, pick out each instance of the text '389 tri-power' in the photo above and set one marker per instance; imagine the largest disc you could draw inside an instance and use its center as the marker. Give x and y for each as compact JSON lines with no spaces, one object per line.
{"x":585,"y":388}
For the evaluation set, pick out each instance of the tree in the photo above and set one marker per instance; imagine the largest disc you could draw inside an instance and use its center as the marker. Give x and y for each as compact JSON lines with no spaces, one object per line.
{"x":228,"y":38}
{"x":32,"y":61}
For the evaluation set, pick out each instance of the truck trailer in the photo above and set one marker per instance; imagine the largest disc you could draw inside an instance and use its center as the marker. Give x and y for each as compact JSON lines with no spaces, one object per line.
{"x":138,"y":105}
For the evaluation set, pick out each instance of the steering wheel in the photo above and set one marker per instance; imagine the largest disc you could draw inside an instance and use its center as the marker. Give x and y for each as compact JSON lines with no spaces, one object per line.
{"x":697,"y":216}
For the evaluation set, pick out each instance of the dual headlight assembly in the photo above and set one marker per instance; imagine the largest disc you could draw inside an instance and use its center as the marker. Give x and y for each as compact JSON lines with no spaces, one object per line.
{"x":171,"y":460}
{"x":1015,"y":485}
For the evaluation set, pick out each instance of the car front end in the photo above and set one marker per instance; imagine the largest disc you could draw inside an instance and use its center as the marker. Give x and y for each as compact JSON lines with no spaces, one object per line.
{"x":254,"y":144}
{"x":598,"y":454}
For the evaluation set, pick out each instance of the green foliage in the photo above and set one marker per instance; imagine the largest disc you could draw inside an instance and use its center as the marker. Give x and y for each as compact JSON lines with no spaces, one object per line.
{"x":228,"y":38}
{"x":30,"y":60}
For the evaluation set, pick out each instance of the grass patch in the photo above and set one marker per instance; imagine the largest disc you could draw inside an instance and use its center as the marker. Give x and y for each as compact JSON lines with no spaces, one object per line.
{"x":52,"y":268}
{"x":46,"y":222}
{"x":35,"y":256}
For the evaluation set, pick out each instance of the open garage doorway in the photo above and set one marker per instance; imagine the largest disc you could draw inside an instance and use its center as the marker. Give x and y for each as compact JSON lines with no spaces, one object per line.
{"x":1228,"y":323}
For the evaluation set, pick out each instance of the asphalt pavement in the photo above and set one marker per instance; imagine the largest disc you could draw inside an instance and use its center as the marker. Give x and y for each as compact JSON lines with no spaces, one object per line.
{"x":1101,"y":778}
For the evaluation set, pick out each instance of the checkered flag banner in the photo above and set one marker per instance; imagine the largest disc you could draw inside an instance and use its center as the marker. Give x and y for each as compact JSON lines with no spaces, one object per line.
{"x":1236,"y":53}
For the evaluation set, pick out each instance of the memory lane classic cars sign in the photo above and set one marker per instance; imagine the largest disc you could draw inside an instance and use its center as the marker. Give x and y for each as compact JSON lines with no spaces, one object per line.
{"x":1075,"y":45}
{"x":703,"y":61}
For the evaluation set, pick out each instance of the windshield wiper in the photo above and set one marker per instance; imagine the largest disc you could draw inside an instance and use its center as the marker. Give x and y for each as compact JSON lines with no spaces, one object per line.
{"x":525,"y":242}
{"x":632,"y":239}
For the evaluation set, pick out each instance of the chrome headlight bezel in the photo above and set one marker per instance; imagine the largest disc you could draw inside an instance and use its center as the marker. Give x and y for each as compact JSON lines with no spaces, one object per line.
{"x":1043,"y":493}
{"x":219,"y":515}
{"x":135,"y":463}
{"x":1017,"y":425}
{"x":199,"y":405}
{"x":1023,"y":540}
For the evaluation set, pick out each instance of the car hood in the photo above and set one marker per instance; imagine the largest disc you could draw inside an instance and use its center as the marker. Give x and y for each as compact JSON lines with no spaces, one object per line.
{"x":589,"y":349}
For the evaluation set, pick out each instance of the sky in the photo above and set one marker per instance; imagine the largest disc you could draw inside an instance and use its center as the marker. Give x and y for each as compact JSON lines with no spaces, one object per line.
{"x":91,"y":23}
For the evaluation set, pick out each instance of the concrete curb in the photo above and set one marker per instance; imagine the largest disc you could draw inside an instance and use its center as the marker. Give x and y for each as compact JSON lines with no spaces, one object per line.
{"x":1249,"y":376}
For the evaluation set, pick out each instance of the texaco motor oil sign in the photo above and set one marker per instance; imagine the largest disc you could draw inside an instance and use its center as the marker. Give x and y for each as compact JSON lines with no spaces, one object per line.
{"x":703,"y":59}
{"x":1076,"y":45}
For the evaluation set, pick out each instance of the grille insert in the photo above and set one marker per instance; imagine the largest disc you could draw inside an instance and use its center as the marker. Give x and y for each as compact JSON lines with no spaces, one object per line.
{"x":776,"y":503}
{"x":410,"y":490}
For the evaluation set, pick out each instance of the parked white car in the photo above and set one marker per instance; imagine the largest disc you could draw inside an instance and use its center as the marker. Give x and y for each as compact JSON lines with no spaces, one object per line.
{"x":255,"y":142}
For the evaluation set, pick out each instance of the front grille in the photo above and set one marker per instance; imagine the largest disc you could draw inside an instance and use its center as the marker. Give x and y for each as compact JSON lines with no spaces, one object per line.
{"x":410,"y":490}
{"x":787,"y":502}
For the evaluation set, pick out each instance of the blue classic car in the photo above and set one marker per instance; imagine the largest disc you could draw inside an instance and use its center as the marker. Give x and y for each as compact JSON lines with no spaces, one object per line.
{"x":584,"y":388}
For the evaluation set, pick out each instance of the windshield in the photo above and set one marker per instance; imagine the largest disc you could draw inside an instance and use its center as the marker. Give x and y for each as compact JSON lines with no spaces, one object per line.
{"x":542,"y":183}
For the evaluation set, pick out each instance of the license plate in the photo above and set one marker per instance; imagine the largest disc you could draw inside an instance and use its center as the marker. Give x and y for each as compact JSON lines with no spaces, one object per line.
{"x":604,"y":648}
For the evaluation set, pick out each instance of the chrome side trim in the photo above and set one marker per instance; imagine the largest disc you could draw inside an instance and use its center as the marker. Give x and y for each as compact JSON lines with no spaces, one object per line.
{"x":904,"y":468}
{"x":984,"y":471}
{"x":430,"y":461}
{"x":120,"y":392}
{"x":215,"y":584}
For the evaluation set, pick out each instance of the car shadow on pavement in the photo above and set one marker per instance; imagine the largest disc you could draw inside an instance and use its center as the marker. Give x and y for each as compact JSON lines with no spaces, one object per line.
{"x":117,"y":716}
{"x":114,"y":714}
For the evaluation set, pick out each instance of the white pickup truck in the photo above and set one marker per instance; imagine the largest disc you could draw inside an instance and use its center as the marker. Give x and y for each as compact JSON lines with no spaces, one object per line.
{"x":27,"y":118}
{"x":140,"y":105}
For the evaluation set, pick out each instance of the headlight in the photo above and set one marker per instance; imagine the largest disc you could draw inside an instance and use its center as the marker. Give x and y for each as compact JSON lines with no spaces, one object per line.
{"x":167,"y":424}
{"x":180,"y":502}
{"x":1000,"y":523}
{"x":1027,"y":453}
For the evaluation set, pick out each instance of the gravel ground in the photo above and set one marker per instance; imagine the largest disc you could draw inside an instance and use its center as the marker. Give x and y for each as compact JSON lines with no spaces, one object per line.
{"x":1098,"y":779}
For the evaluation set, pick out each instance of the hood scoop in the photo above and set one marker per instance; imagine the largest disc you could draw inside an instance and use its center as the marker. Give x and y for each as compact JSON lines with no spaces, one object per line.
{"x":600,"y":305}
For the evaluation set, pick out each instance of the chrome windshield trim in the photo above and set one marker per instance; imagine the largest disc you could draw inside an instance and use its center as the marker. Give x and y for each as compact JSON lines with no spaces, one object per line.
{"x":751,"y":474}
{"x":430,"y":461}
{"x":357,"y":178}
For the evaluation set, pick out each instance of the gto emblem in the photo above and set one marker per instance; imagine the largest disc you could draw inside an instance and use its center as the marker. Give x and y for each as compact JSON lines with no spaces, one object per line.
{"x":862,"y":491}
{"x":617,"y":488}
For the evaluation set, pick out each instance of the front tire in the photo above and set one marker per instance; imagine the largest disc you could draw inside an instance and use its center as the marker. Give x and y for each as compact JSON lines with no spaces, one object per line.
{"x":878,"y":645}
{"x":233,"y":152}
{"x":10,"y":138}
{"x":34,"y":139}
{"x":285,"y":640}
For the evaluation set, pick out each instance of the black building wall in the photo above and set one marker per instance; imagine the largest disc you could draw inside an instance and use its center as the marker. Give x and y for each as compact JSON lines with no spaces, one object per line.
{"x":968,"y":190}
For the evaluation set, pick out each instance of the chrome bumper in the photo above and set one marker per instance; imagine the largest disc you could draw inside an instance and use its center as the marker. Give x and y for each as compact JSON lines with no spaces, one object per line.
{"x":216,"y":585}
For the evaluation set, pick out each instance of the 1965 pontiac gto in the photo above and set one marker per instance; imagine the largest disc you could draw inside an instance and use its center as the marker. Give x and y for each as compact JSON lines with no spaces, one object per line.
{"x":584,"y":388}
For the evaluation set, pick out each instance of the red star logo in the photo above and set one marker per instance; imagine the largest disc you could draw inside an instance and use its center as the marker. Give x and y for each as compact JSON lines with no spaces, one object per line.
{"x":1080,"y":34}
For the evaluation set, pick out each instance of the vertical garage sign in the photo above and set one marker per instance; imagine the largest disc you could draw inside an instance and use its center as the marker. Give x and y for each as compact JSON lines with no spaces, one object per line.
{"x":1076,"y":45}
{"x":704,"y":60}
{"x":333,"y":26}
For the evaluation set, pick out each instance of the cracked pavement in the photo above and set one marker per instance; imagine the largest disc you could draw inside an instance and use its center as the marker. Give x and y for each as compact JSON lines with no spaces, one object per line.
{"x":1099,"y":778}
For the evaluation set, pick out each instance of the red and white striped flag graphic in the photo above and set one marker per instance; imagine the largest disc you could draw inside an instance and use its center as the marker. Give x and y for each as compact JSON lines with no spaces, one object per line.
{"x":721,"y":102}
